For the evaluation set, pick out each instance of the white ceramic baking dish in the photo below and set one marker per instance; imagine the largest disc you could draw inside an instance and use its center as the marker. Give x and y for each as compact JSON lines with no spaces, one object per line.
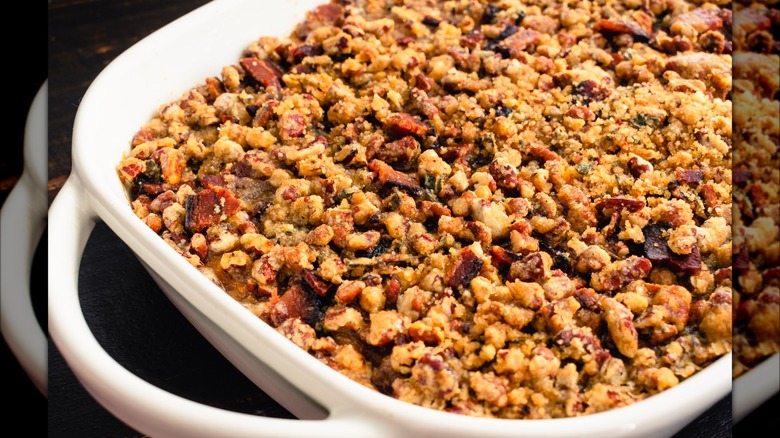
{"x":123,"y":97}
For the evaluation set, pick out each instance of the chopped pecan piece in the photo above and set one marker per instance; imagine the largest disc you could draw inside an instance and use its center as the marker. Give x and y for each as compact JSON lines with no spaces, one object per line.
{"x":640,"y":27}
{"x":466,"y":267}
{"x":402,"y":151}
{"x":386,"y":175}
{"x":699,"y":19}
{"x":264,"y":71}
{"x":518,"y":43}
{"x":314,"y":282}
{"x":619,"y":273}
{"x":619,"y":202}
{"x":543,"y":153}
{"x":502,"y":257}
{"x":402,"y":124}
{"x":533,"y":267}
{"x":689,"y":176}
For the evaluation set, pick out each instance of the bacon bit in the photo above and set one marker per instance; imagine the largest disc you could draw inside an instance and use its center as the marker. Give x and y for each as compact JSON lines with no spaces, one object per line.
{"x":329,"y":14}
{"x":637,"y":166}
{"x":581,"y":112}
{"x":515,"y":45}
{"x":505,"y":175}
{"x":431,"y":21}
{"x":393,"y":289}
{"x":247,"y":227}
{"x":700,"y":19}
{"x":296,"y":303}
{"x":632,"y":205}
{"x":402,"y":124}
{"x":502,"y":257}
{"x":205,"y":209}
{"x":303,"y":50}
{"x":709,"y":195}
{"x":508,"y":31}
{"x":658,"y":251}
{"x":758,"y":195}
{"x":314,"y":283}
{"x":590,"y":90}
{"x":741,"y":176}
{"x":466,"y":267}
{"x":641,"y":29}
{"x":453,"y":152}
{"x":741,"y":261}
{"x":264,"y":71}
{"x":148,"y":186}
{"x":212,"y":181}
{"x":386,"y":175}
{"x":544,"y":153}
{"x":130,"y":168}
{"x":769,"y":296}
{"x":264,"y":114}
{"x":290,"y":194}
{"x":689,"y":176}
{"x":472,"y":38}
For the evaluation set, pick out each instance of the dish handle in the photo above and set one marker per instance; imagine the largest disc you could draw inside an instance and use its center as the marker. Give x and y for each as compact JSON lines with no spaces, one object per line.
{"x":22,"y":222}
{"x":133,"y":400}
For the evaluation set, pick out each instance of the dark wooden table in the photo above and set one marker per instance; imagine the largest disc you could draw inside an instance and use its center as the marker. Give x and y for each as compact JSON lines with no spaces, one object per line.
{"x":84,"y":36}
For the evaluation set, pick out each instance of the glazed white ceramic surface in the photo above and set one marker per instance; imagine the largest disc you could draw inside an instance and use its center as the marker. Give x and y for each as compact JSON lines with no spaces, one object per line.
{"x":121,"y":99}
{"x":22,"y":221}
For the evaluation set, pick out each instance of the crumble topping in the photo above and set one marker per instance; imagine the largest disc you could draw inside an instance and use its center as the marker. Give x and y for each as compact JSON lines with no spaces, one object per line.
{"x":512,"y":209}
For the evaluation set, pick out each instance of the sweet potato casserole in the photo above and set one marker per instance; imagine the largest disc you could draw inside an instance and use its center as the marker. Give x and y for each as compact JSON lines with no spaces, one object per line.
{"x":756,"y":183}
{"x":512,"y":208}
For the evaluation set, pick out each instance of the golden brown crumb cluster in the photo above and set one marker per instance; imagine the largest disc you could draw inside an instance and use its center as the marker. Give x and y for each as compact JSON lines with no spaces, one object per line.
{"x":756,"y":183}
{"x":514,"y":209}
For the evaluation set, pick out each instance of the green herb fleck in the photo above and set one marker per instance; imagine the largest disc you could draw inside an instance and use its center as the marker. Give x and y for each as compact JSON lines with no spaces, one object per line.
{"x":642,"y":120}
{"x":432,"y":183}
{"x":344,"y":194}
{"x":583,"y":168}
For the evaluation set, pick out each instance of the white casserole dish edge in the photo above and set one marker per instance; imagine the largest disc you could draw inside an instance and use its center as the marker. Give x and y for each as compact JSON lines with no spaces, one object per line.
{"x":22,"y":221}
{"x":120,"y":100}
